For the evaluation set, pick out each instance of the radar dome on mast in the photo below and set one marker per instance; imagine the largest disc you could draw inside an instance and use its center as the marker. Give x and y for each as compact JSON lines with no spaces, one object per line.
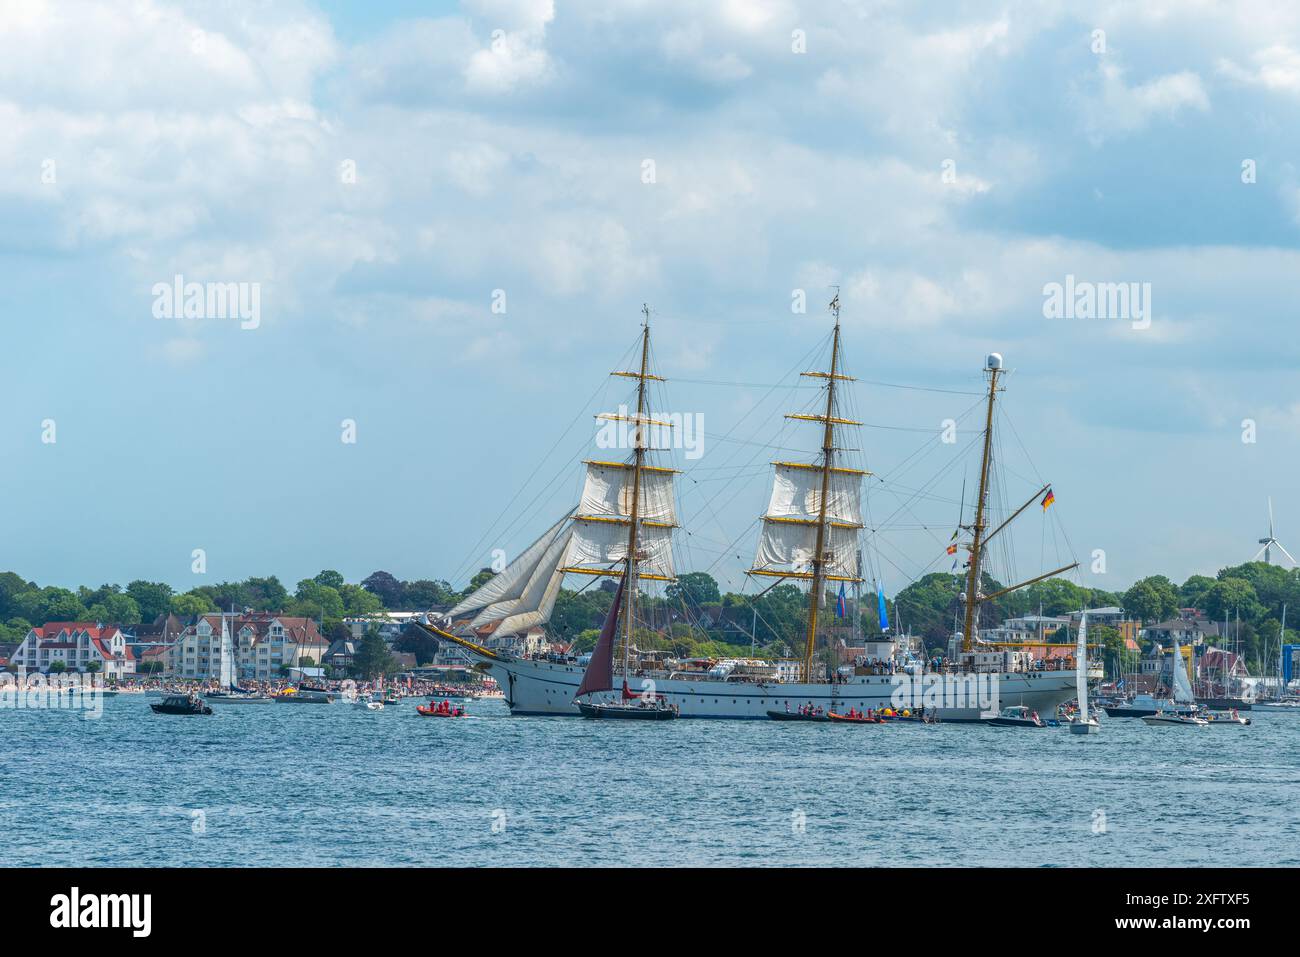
{"x":994,"y":361}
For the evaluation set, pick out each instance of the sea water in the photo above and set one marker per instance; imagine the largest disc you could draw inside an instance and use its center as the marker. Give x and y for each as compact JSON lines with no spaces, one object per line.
{"x":278,"y":784}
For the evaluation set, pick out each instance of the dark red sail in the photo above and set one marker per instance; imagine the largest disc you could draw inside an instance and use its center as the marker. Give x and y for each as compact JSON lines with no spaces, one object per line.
{"x":599,"y":675}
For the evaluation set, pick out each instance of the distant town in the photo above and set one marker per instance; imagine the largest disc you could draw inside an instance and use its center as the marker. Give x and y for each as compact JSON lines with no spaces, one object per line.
{"x":328,"y":628}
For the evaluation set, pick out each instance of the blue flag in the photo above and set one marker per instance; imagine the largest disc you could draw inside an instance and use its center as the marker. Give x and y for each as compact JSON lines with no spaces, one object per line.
{"x":840,"y":610}
{"x":884,"y":612}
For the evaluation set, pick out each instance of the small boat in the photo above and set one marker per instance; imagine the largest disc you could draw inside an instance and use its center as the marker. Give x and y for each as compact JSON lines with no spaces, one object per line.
{"x":1017,"y":716}
{"x":181,"y":704}
{"x":1184,"y":711}
{"x":797,"y":716}
{"x":1278,"y":705}
{"x":1225,"y":719}
{"x":630,"y":711}
{"x":391,"y":699}
{"x":1082,"y":722}
{"x":1140,"y":706}
{"x":1174,"y":717}
{"x":226,"y":697}
{"x":432,"y":711}
{"x":304,"y":696}
{"x":853,"y":718}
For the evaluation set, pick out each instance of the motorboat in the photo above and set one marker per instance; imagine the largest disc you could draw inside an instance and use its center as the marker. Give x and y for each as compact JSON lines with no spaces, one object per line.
{"x":1017,"y":716}
{"x":1174,"y":717}
{"x":181,"y":704}
{"x":798,"y":715}
{"x":433,"y":711}
{"x":854,"y":718}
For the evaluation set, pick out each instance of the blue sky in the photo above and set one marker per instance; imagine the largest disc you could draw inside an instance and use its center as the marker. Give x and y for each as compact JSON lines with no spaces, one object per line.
{"x":500,"y":144}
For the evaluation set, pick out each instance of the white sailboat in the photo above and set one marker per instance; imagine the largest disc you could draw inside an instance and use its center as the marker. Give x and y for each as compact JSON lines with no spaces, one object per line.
{"x":1083,"y":722}
{"x":230,"y":692}
{"x":1184,"y":712}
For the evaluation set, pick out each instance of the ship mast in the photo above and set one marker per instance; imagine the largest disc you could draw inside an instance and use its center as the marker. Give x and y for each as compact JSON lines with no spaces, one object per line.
{"x":979,"y":541}
{"x":828,"y":449}
{"x":638,"y":460}
{"x":977,"y":530}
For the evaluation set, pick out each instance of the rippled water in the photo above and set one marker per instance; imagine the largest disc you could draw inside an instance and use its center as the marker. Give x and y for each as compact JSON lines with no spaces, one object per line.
{"x":307,"y":785}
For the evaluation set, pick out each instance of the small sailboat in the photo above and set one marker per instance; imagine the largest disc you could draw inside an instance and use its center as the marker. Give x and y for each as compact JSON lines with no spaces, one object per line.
{"x":1184,"y":712}
{"x":1083,"y":722}
{"x":599,"y":676}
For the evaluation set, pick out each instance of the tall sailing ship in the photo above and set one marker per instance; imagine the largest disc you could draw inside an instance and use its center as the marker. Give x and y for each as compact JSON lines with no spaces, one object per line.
{"x":622,"y":528}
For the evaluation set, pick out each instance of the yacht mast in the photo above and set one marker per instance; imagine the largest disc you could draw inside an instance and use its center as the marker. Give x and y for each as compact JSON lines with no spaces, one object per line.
{"x":828,"y":450}
{"x":977,"y":530}
{"x":639,"y":458}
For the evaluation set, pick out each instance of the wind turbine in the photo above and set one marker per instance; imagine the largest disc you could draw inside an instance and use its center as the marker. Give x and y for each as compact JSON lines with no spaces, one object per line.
{"x":1269,"y":542}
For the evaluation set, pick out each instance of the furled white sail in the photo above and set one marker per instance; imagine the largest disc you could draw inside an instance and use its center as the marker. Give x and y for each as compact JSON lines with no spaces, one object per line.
{"x":607,"y":493}
{"x":601,"y":544}
{"x":797,"y":493}
{"x":1081,"y":667}
{"x":1182,"y":686}
{"x":505,"y":588}
{"x":790,"y":546}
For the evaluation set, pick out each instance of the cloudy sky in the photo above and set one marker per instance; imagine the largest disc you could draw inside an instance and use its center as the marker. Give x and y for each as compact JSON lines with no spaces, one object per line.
{"x":385,"y":173}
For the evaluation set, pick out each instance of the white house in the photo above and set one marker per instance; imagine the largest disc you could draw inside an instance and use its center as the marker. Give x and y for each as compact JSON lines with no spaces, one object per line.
{"x":81,"y":646}
{"x":261,"y":645}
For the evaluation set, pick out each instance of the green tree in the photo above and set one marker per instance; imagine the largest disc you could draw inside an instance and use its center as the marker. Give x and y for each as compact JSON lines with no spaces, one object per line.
{"x":57,"y":666}
{"x":192,"y":603}
{"x":1192,"y":594}
{"x":116,"y":608}
{"x":388,"y":588}
{"x":418,"y":642}
{"x":358,"y":601}
{"x":1229,"y":596}
{"x":152,"y":598}
{"x":1151,"y":599}
{"x":330,"y":579}
{"x":372,"y":657}
{"x":693,"y":589}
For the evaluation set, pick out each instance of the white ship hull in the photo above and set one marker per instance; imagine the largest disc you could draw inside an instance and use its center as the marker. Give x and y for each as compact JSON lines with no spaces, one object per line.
{"x":547,"y":688}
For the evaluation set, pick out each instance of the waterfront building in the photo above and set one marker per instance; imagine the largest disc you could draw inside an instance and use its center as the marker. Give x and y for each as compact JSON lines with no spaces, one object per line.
{"x":263,"y":644}
{"x":80,"y":646}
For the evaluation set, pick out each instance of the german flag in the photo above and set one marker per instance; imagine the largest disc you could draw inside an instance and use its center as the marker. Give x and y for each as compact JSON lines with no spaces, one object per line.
{"x":1048,"y":499}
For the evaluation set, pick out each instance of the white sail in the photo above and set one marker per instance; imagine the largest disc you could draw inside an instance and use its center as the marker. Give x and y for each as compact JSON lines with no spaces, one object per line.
{"x":1081,"y":667}
{"x":607,"y":493}
{"x":506,"y":587}
{"x":789,"y":547}
{"x":797,"y":493}
{"x":535,"y":605}
{"x":1182,"y":686}
{"x":600,"y":544}
{"x":226,"y":676}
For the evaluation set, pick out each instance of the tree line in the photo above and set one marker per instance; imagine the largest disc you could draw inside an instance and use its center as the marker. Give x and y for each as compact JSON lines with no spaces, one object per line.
{"x":692,"y":616}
